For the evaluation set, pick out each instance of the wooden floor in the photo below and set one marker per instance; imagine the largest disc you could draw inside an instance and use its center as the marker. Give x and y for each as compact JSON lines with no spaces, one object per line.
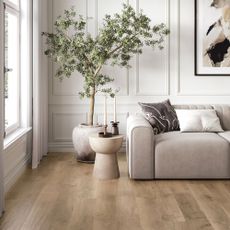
{"x":61,"y":194}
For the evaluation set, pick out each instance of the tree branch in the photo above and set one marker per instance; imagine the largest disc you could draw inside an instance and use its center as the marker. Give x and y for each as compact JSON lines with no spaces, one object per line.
{"x":120,"y":46}
{"x":116,"y":49}
{"x":110,"y":53}
{"x":97,"y":70}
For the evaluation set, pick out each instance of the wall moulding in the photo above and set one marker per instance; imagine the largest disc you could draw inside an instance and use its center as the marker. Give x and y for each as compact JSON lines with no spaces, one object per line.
{"x":69,"y":120}
{"x":118,"y":72}
{"x":165,"y":91}
{"x":63,"y":124}
{"x":54,"y":92}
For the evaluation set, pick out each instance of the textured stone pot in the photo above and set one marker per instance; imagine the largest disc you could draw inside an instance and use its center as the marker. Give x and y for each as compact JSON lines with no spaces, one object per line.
{"x":84,"y":152}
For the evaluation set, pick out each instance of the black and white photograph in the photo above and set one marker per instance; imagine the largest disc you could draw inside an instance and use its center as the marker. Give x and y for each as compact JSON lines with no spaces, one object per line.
{"x":212,"y":37}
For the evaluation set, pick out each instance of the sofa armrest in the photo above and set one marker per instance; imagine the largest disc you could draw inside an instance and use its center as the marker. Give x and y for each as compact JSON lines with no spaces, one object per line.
{"x":140,"y":148}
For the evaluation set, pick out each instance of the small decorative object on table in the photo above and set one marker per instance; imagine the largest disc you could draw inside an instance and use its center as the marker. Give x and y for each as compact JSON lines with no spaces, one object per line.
{"x":115,"y":129}
{"x":105,"y":133}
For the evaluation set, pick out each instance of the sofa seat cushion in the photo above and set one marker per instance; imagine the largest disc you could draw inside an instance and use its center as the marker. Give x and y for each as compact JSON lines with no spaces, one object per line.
{"x":191,"y":155}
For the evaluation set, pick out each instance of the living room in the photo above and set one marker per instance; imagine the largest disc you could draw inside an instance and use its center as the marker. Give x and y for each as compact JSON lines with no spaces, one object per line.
{"x":114,"y":114}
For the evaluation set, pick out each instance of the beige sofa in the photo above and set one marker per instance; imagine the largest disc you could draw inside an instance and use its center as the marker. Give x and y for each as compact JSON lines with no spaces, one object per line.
{"x":176,"y":155}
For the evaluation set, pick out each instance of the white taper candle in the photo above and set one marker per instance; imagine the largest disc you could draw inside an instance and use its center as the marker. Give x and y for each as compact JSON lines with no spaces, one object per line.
{"x":114,"y":110}
{"x":105,"y":111}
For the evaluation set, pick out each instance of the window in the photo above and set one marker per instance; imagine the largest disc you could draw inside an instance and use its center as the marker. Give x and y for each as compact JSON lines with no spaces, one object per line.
{"x":15,"y":2}
{"x":12,"y":65}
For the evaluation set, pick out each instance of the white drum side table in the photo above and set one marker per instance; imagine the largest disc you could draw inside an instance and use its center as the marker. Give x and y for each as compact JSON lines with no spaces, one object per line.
{"x":106,"y":165}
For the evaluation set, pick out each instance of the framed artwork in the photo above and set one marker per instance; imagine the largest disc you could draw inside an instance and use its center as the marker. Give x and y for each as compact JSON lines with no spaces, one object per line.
{"x":212,"y":37}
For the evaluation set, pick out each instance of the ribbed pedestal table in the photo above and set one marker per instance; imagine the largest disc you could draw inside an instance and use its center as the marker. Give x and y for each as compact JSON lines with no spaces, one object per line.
{"x":106,"y":165}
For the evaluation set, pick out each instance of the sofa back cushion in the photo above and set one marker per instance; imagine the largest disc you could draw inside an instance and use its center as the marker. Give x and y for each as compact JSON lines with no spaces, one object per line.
{"x":193,"y":106}
{"x":162,"y":116}
{"x":223,"y":112}
{"x":198,"y":120}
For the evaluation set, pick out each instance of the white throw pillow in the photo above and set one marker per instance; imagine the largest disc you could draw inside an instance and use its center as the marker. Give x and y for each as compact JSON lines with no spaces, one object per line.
{"x":198,"y":120}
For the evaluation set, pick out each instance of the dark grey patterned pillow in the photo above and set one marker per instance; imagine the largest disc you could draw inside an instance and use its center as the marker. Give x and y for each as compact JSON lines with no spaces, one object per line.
{"x":162,"y":116}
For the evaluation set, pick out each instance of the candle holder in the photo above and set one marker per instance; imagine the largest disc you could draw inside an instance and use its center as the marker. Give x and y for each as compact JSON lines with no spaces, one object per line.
{"x":115,"y":129}
{"x":105,"y":133}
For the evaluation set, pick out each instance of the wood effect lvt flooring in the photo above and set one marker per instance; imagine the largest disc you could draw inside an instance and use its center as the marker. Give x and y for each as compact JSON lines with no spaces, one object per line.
{"x":62,"y":194}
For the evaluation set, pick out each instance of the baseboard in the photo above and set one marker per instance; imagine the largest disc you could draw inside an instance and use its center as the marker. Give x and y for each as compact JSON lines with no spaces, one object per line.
{"x":60,"y":147}
{"x":17,"y":171}
{"x":63,"y":147}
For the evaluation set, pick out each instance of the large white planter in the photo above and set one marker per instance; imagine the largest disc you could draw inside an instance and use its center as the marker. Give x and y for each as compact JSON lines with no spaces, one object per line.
{"x":84,"y":152}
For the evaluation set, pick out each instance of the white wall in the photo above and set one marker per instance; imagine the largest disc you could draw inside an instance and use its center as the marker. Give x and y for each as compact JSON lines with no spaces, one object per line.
{"x":16,"y":157}
{"x":155,"y":76}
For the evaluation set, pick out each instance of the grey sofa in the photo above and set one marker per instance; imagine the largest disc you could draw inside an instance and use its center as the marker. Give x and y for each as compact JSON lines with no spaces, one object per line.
{"x":176,"y":155}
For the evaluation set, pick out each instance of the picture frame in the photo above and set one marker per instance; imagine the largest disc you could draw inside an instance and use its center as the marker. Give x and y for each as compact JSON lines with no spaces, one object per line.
{"x":212,"y":46}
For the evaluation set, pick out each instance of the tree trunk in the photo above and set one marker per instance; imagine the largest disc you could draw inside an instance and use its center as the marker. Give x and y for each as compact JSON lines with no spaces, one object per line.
{"x":91,"y":107}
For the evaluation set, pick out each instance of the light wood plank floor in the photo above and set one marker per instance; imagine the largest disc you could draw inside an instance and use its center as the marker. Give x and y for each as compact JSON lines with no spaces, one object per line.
{"x":62,"y":194}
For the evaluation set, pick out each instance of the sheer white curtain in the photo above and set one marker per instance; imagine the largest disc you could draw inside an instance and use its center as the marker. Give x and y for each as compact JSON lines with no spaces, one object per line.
{"x":1,"y":183}
{"x":40,"y":84}
{"x":1,"y":144}
{"x":1,"y":109}
{"x":1,"y":167}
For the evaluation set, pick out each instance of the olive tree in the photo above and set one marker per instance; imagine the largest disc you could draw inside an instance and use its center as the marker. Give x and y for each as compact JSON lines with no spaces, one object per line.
{"x":120,"y":37}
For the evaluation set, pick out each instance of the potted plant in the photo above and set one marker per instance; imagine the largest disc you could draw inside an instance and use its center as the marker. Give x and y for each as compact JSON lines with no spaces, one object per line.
{"x":120,"y":37}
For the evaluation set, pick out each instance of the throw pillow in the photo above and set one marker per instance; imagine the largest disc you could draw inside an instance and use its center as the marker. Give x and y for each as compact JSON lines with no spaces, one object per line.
{"x":204,"y":120}
{"x":162,"y":116}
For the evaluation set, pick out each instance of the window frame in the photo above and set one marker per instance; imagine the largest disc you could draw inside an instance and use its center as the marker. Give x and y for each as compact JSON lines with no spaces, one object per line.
{"x":14,"y":10}
{"x":12,"y":5}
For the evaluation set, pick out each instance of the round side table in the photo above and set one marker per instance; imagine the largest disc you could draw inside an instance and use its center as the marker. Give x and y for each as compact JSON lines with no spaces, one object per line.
{"x":106,"y":165}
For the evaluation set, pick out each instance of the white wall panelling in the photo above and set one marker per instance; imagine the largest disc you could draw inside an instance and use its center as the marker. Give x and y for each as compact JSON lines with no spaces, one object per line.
{"x":69,"y":87}
{"x":121,"y":75}
{"x":63,"y":124}
{"x":152,"y":67}
{"x":154,"y":76}
{"x":16,"y":158}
